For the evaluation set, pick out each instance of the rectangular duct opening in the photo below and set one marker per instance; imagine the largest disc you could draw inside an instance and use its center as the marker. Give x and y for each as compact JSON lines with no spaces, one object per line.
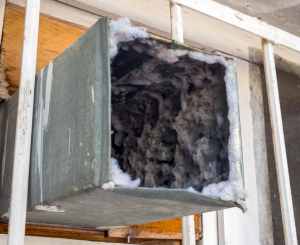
{"x":169,"y":119}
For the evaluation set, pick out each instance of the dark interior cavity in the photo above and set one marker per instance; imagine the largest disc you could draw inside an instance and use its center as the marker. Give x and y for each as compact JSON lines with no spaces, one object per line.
{"x":169,"y":120}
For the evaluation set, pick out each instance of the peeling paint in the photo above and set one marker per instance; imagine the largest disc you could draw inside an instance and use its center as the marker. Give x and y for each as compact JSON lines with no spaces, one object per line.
{"x":239,"y":16}
{"x":24,"y":96}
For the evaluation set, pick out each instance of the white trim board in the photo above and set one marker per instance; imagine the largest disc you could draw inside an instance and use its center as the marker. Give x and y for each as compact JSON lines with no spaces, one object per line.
{"x":244,"y":22}
{"x":20,"y":175}
{"x":199,"y":30}
{"x":283,"y":178}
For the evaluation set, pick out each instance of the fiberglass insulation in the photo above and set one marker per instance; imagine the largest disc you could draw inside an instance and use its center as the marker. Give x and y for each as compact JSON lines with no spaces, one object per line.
{"x":170,"y":128}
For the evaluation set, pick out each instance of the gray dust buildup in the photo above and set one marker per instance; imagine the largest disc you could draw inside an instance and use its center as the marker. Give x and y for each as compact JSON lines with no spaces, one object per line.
{"x":170,"y":124}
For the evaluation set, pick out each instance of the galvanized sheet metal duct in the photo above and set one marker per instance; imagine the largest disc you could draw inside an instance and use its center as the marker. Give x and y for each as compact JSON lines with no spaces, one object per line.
{"x":71,"y":145}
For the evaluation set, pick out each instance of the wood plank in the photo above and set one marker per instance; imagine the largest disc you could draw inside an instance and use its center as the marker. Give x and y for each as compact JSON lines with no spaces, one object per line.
{"x":20,"y":175}
{"x":176,"y":22}
{"x":188,"y":230}
{"x":166,"y":229}
{"x":54,"y":37}
{"x":44,"y":231}
{"x":78,"y":234}
{"x":283,"y":177}
{"x":243,"y":21}
{"x":187,"y":222}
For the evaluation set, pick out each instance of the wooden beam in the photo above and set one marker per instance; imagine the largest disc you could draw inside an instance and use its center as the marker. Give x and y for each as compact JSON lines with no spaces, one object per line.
{"x":19,"y":189}
{"x":188,"y":230}
{"x":244,"y":22}
{"x":210,"y":229}
{"x":167,"y":229}
{"x":176,"y":22}
{"x":221,"y":227}
{"x":279,"y":146}
{"x":187,"y":222}
{"x":80,"y":234}
{"x":58,"y":232}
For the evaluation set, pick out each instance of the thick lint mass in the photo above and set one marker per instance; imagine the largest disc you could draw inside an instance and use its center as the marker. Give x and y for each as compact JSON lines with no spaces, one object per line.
{"x":173,"y":123}
{"x":170,"y":123}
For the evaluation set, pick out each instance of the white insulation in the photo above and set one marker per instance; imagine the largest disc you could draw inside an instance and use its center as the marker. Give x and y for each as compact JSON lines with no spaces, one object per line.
{"x":122,"y":31}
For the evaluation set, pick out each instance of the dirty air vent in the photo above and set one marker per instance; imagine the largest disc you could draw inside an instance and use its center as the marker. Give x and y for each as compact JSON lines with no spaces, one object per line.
{"x":170,"y":126}
{"x":157,"y":121}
